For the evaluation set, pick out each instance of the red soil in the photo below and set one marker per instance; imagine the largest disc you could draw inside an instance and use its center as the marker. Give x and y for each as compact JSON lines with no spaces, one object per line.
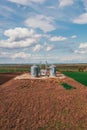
{"x":4,"y":77}
{"x":42,"y":104}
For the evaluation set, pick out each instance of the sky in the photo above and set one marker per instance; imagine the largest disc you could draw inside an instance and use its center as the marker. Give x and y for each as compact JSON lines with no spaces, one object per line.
{"x":43,"y":30}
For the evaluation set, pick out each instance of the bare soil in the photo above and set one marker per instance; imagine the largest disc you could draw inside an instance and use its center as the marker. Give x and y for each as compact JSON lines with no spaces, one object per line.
{"x":42,"y":104}
{"x":4,"y":77}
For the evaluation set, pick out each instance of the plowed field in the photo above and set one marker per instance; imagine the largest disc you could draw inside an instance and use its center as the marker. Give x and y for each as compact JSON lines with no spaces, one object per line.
{"x":43,"y":104}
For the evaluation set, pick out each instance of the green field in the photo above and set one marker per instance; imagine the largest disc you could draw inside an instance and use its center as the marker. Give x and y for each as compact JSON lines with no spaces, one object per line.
{"x":14,"y":68}
{"x":67,"y":87}
{"x":69,"y":70}
{"x":79,"y":76}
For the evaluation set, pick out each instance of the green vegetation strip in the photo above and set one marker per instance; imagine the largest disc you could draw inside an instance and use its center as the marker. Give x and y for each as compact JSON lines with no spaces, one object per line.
{"x":13,"y":70}
{"x":67,"y":87}
{"x":78,"y":76}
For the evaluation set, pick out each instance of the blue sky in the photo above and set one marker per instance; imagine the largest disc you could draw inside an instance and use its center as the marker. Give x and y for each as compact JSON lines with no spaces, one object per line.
{"x":39,"y":30}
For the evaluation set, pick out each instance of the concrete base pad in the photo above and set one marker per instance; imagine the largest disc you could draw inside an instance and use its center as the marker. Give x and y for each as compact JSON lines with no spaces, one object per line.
{"x":28,"y":76}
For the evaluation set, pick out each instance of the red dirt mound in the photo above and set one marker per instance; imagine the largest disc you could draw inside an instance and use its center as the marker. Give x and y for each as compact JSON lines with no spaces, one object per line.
{"x":42,"y":104}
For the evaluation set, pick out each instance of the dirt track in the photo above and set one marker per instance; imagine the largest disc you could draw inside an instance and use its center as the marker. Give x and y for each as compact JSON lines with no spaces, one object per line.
{"x":42,"y":104}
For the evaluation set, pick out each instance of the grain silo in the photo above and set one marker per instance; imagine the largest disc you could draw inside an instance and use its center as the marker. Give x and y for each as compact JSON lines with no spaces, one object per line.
{"x":52,"y":70}
{"x":34,"y":71}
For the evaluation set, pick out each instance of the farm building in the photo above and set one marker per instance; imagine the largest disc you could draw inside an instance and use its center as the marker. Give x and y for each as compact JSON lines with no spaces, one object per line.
{"x":39,"y":71}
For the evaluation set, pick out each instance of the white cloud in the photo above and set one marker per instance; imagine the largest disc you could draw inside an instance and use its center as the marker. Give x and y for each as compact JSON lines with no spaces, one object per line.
{"x":48,"y":47}
{"x":80,"y":51}
{"x":37,"y":47}
{"x":22,"y":55}
{"x":18,"y":44}
{"x":18,"y":33}
{"x":41,"y":22}
{"x":82,"y":19}
{"x":64,"y":3}
{"x":27,"y":56}
{"x":26,"y":2}
{"x":58,"y":39}
{"x":72,"y":58}
{"x":19,"y":37}
{"x":4,"y":54}
{"x":48,"y":57}
{"x":12,"y":55}
{"x":73,"y":36}
{"x":83,"y":45}
{"x":82,"y":48}
{"x":45,"y":47}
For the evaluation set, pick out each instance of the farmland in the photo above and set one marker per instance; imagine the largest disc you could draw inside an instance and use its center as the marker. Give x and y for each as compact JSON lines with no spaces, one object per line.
{"x":71,"y":67}
{"x":79,"y":76}
{"x":42,"y":104}
{"x":13,"y":68}
{"x":75,"y":71}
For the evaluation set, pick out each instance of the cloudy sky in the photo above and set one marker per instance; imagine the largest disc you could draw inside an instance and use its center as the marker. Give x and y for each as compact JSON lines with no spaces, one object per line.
{"x":39,"y":30}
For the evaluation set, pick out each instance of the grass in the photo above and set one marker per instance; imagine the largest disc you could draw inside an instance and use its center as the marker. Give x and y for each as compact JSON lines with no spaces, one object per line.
{"x":78,"y":76}
{"x":13,"y":70}
{"x":67,"y":87}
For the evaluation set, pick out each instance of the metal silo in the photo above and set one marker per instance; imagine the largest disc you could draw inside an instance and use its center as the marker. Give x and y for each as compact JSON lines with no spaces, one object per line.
{"x":34,"y":71}
{"x":52,"y":70}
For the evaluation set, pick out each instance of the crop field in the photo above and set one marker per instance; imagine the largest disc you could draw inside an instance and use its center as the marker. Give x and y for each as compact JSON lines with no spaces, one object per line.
{"x":79,"y":76}
{"x":43,"y":104}
{"x":67,"y":87}
{"x":71,"y":67}
{"x":13,"y":68}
